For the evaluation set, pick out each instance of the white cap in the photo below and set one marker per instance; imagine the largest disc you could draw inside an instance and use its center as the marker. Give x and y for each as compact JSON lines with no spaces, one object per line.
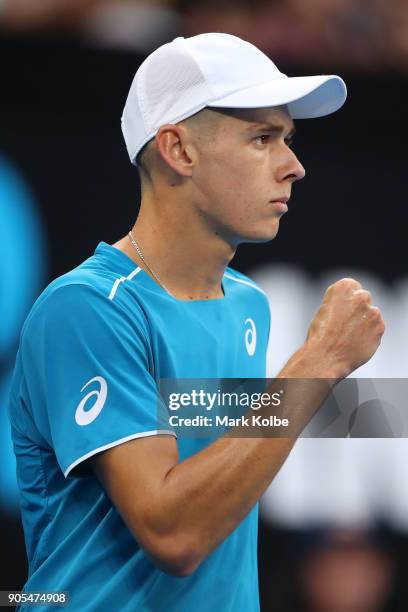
{"x":219,"y":70}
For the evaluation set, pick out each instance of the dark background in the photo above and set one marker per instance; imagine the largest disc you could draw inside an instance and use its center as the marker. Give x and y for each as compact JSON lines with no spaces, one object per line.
{"x":60,"y":108}
{"x":61,"y":105}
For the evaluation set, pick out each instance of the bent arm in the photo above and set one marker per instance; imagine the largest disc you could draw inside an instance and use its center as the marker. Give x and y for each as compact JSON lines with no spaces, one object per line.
{"x":179,"y":512}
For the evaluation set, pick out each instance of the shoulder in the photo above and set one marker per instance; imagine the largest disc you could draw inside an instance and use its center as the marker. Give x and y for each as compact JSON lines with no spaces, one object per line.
{"x":81,"y":297}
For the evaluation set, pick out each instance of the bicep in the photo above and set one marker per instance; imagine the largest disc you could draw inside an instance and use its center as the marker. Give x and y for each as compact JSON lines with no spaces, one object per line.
{"x":133,"y":475}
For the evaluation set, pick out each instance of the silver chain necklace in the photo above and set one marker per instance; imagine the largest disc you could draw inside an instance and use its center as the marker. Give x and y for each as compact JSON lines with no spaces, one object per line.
{"x":139,"y":252}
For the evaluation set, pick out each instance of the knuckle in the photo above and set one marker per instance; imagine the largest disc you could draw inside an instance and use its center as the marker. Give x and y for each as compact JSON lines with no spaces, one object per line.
{"x":362,"y":296}
{"x":352,"y":283}
{"x":348,"y":284}
{"x":376,"y":313}
{"x":337,"y":286}
{"x":345,"y":282}
{"x":377,"y":318}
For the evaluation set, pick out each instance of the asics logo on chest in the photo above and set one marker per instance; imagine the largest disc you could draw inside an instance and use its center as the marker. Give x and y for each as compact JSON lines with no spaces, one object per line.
{"x":250,"y":337}
{"x":85,"y":417}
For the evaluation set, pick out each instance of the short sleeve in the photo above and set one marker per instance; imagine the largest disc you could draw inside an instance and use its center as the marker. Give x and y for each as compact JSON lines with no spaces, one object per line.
{"x":88,"y":367}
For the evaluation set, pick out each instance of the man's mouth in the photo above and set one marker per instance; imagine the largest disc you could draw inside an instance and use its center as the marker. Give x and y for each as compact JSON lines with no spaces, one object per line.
{"x":280,"y":204}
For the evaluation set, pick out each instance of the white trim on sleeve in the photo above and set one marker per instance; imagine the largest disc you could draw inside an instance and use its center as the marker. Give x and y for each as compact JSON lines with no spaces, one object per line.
{"x":143,"y":434}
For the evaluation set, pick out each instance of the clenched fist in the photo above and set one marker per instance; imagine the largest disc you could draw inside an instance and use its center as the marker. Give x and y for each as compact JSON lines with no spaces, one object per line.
{"x":347,"y":329}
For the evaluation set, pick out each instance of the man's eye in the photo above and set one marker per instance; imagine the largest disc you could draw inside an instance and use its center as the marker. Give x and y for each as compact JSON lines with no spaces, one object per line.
{"x":289,"y":142}
{"x":263,"y":139}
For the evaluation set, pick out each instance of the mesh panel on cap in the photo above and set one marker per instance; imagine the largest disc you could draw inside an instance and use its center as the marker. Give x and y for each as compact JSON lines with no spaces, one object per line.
{"x":173,"y":85}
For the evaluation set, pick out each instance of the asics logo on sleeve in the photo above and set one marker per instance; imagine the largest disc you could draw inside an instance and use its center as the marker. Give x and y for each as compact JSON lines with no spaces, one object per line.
{"x":250,"y":337}
{"x":85,"y":417}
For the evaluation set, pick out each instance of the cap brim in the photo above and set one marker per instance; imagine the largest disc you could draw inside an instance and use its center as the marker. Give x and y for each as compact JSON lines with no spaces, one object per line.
{"x":306,"y":97}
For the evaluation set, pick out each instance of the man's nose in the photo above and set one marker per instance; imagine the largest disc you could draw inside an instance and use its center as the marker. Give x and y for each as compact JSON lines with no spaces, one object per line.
{"x":292,"y":169}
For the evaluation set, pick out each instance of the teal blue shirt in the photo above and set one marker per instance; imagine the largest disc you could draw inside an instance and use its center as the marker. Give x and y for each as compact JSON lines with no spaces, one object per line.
{"x":92,"y":351}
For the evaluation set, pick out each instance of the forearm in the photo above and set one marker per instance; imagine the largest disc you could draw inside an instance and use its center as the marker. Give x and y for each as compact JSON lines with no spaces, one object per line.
{"x":205,"y":497}
{"x":208,"y":495}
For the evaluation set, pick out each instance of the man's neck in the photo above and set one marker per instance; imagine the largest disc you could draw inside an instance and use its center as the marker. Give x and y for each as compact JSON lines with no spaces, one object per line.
{"x":186,"y":255}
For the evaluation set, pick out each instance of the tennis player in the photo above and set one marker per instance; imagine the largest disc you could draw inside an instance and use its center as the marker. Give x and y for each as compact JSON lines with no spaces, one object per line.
{"x":116,"y":510}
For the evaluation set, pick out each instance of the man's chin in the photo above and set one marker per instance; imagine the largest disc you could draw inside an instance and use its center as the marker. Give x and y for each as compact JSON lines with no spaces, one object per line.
{"x":260,"y":234}
{"x":264,"y":234}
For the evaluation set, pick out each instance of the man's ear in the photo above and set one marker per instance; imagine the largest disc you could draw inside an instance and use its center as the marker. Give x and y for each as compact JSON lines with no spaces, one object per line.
{"x":174,"y":149}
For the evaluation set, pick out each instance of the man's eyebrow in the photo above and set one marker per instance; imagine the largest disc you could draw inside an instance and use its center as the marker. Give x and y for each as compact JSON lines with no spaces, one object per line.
{"x":270,"y":127}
